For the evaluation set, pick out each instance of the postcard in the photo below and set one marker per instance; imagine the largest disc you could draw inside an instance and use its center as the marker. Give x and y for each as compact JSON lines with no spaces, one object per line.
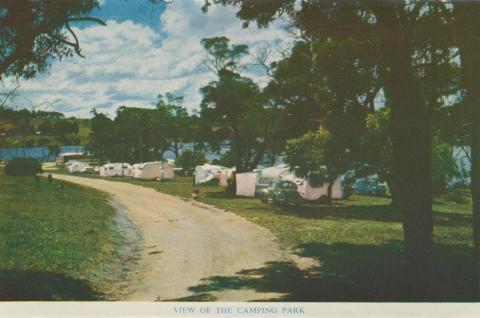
{"x":239,"y":158}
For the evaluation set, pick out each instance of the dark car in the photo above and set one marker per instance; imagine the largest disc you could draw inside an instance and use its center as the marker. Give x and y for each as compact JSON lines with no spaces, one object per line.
{"x":281,"y":192}
{"x":369,"y":187}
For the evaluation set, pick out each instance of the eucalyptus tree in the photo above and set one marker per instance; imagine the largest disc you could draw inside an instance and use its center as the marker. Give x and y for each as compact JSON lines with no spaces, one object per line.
{"x":400,"y":47}
{"x":233,"y":103}
{"x":35,"y":33}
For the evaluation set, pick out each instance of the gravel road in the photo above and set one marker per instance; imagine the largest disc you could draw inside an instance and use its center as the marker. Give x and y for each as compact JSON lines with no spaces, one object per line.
{"x":185,"y":242}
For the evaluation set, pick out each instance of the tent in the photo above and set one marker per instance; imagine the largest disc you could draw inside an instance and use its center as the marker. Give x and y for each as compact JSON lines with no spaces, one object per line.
{"x":77,"y":166}
{"x":207,"y":173}
{"x":167,"y":169}
{"x":246,"y":184}
{"x":148,"y":171}
{"x":309,"y":192}
{"x":115,"y":169}
{"x":306,"y":190}
{"x":226,"y":176}
{"x":152,"y":170}
{"x":267,"y":175}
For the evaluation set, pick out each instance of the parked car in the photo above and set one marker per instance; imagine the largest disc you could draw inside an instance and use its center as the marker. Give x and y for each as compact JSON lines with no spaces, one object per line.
{"x":281,"y":192}
{"x":369,"y":187}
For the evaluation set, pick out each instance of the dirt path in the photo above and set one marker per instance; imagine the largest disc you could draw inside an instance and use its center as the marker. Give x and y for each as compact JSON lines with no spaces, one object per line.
{"x":184,"y":243}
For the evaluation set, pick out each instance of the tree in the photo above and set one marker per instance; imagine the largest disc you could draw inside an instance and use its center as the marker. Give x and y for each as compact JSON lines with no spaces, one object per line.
{"x":62,"y":128}
{"x":307,"y":155}
{"x":101,"y":136}
{"x":34,"y":33}
{"x":234,"y":103}
{"x":188,"y":160}
{"x":176,"y":120}
{"x":466,"y":24}
{"x":406,"y":43}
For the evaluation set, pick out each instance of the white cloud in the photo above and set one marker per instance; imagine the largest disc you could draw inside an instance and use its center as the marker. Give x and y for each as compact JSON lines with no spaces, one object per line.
{"x":129,"y":63}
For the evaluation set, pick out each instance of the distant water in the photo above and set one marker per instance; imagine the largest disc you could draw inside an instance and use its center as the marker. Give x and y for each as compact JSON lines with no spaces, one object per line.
{"x":40,"y":153}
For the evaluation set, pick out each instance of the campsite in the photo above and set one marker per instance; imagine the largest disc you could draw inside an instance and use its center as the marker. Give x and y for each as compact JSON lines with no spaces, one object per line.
{"x":236,"y":151}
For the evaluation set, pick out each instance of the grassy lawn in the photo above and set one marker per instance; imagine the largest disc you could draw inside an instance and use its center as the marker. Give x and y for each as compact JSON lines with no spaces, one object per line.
{"x":358,"y":242}
{"x":57,"y":241}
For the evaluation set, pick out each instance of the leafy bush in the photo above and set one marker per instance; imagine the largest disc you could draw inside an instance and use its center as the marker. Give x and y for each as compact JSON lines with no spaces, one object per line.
{"x":188,"y":160}
{"x":456,"y":196}
{"x":23,"y":167}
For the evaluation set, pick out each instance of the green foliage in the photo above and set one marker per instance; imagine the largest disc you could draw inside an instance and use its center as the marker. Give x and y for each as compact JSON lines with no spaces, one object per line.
{"x":34,"y":33}
{"x":141,"y":134}
{"x":23,"y":167}
{"x":444,"y":167}
{"x":188,"y":160}
{"x":307,"y":153}
{"x":222,"y":56}
{"x":234,"y":103}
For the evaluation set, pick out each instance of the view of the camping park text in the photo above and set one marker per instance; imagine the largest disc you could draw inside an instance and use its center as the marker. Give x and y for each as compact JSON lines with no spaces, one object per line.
{"x":240,"y":150}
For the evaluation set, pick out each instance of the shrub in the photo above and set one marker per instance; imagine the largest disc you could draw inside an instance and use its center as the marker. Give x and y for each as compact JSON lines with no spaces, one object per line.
{"x":456,"y":196}
{"x":188,"y":160}
{"x":23,"y":167}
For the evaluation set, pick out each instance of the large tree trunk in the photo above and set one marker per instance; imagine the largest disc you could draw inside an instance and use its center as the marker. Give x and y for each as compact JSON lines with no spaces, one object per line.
{"x":237,"y":147}
{"x":329,"y":193}
{"x":411,"y":140}
{"x":467,"y":26}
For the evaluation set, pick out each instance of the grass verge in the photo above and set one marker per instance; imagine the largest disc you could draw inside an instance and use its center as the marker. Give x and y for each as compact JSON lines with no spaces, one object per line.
{"x":56,"y":240}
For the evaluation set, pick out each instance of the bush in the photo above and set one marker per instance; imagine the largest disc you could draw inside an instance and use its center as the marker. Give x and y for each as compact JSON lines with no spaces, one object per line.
{"x":23,"y":167}
{"x":188,"y":160}
{"x":456,"y":196}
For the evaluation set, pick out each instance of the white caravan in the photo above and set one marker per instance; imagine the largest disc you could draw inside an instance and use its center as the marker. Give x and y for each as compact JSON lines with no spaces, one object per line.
{"x":115,"y":169}
{"x":206,"y":173}
{"x":77,"y":166}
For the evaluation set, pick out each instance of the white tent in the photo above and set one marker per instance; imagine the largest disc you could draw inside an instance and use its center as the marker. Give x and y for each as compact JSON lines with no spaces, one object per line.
{"x":207,"y":172}
{"x":148,"y":171}
{"x":68,"y":164}
{"x":115,"y":169}
{"x":167,"y":170}
{"x":225,"y":175}
{"x":309,"y":192}
{"x":306,"y":190}
{"x":77,"y":166}
{"x":246,"y":183}
{"x":152,"y":170}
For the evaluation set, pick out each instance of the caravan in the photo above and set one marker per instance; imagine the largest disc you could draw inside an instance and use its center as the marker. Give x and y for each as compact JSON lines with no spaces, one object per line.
{"x":77,"y":166}
{"x":207,"y":173}
{"x":115,"y":169}
{"x":152,"y":170}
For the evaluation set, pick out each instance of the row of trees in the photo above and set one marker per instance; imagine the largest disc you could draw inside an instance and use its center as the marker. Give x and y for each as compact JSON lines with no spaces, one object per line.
{"x":141,"y":134}
{"x":421,"y":58}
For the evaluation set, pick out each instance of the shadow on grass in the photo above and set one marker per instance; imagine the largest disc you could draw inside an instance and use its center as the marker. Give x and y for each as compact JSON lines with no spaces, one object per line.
{"x":35,"y":285}
{"x":348,"y":273}
{"x":379,"y":213}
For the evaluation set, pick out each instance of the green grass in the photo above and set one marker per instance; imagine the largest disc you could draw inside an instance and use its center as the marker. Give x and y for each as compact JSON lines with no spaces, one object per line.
{"x":358,"y":241}
{"x":55,"y":240}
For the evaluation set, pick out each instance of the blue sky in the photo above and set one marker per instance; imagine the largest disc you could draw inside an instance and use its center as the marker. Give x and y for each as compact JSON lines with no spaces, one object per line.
{"x":145,"y":50}
{"x":138,"y":11}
